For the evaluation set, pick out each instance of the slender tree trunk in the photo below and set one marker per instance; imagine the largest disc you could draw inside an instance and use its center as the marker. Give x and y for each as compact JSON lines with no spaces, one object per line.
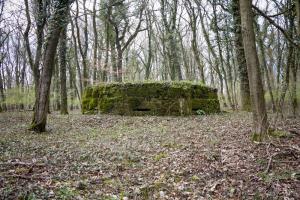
{"x":114,"y":61}
{"x":297,"y":65}
{"x":56,"y":88}
{"x":22,"y":81}
{"x":229,"y":66}
{"x":170,"y":30}
{"x":2,"y":95}
{"x":95,"y":51}
{"x":56,"y":24}
{"x":265,"y":67}
{"x":286,"y":78}
{"x":77,"y":61}
{"x":107,"y":44}
{"x":279,"y":52}
{"x":290,"y":65}
{"x":83,"y":47}
{"x":218,"y":40}
{"x":119,"y":64}
{"x":260,"y":119}
{"x":73,"y":86}
{"x":215,"y":64}
{"x":193,"y":24}
{"x":185,"y":58}
{"x":150,"y":50}
{"x":63,"y":75}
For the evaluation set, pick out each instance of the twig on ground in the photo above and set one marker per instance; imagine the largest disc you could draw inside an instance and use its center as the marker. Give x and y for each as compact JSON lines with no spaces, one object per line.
{"x":23,"y":177}
{"x":23,"y":164}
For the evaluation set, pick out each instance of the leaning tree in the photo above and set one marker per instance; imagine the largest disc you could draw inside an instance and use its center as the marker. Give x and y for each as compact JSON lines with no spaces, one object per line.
{"x":57,"y":23}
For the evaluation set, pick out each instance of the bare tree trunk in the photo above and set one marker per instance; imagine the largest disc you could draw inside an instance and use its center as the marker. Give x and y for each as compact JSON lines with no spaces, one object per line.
{"x":150,"y":50}
{"x":265,"y":67}
{"x":22,"y":80}
{"x":95,"y":55}
{"x":297,"y":63}
{"x":218,"y":40}
{"x":240,"y":58}
{"x":260,"y":119}
{"x":279,"y":51}
{"x":290,"y":65}
{"x":105,"y":66}
{"x":113,"y":61}
{"x":229,"y":65}
{"x":63,"y":69}
{"x":40,"y":13}
{"x":77,"y":61}
{"x":193,"y":24}
{"x":83,"y":48}
{"x":56,"y":24}
{"x":185,"y":58}
{"x":56,"y":86}
{"x":286,"y":78}
{"x":170,"y":29}
{"x":215,"y":64}
{"x":2,"y":95}
{"x":72,"y":84}
{"x":108,"y":40}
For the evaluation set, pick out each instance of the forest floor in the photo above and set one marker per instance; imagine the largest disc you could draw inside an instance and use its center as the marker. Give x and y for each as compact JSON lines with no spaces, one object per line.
{"x":117,"y":157}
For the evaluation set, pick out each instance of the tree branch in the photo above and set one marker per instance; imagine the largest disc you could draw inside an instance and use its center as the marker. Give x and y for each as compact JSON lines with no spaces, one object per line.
{"x":271,"y":21}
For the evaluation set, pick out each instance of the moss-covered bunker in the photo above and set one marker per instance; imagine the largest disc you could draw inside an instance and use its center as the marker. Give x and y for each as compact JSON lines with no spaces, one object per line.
{"x":153,"y":98}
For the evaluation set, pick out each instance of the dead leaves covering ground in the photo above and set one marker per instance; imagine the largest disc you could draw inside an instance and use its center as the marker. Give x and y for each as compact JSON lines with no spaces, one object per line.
{"x":115,"y":157}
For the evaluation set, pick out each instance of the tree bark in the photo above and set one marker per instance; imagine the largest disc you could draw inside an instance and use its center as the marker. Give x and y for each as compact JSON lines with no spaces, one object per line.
{"x":240,"y":58}
{"x":83,"y":48}
{"x":56,"y":86}
{"x":40,"y":18}
{"x":193,"y":24}
{"x":260,"y":119}
{"x":2,"y":95}
{"x":171,"y":39}
{"x":265,"y":67}
{"x":95,"y":51}
{"x":63,"y":75}
{"x":290,"y":65}
{"x":77,"y":61}
{"x":221,"y":59}
{"x":56,"y":24}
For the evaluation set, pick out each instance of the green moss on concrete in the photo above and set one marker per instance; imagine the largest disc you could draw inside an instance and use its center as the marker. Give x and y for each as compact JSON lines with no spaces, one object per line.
{"x":150,"y":98}
{"x":109,"y":104}
{"x":207,"y":105}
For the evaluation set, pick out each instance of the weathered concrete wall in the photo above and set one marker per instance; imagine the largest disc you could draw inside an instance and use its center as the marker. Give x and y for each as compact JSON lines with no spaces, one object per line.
{"x":153,"y":98}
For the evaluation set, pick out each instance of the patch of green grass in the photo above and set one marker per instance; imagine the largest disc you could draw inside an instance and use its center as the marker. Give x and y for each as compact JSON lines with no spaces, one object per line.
{"x":256,"y":137}
{"x":31,"y":196}
{"x":109,"y":182}
{"x":66,"y":193}
{"x":200,"y":112}
{"x":160,"y":156}
{"x":214,"y":141}
{"x":279,"y":134}
{"x":195,"y":178}
{"x":277,"y":176}
{"x":261,"y":161}
{"x":172,"y":145}
{"x":177,"y":178}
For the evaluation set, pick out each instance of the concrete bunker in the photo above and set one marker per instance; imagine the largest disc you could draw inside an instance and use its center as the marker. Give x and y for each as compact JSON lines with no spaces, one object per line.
{"x":150,"y":98}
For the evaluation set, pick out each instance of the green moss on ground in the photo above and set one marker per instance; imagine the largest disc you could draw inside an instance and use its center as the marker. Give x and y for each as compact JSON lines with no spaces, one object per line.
{"x":150,"y":98}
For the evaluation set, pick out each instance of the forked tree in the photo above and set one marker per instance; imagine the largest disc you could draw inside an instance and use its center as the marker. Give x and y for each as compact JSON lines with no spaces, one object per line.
{"x":57,"y":23}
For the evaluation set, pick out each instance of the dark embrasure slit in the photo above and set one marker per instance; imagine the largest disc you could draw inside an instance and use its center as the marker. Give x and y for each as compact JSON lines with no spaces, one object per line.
{"x":142,"y":109}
